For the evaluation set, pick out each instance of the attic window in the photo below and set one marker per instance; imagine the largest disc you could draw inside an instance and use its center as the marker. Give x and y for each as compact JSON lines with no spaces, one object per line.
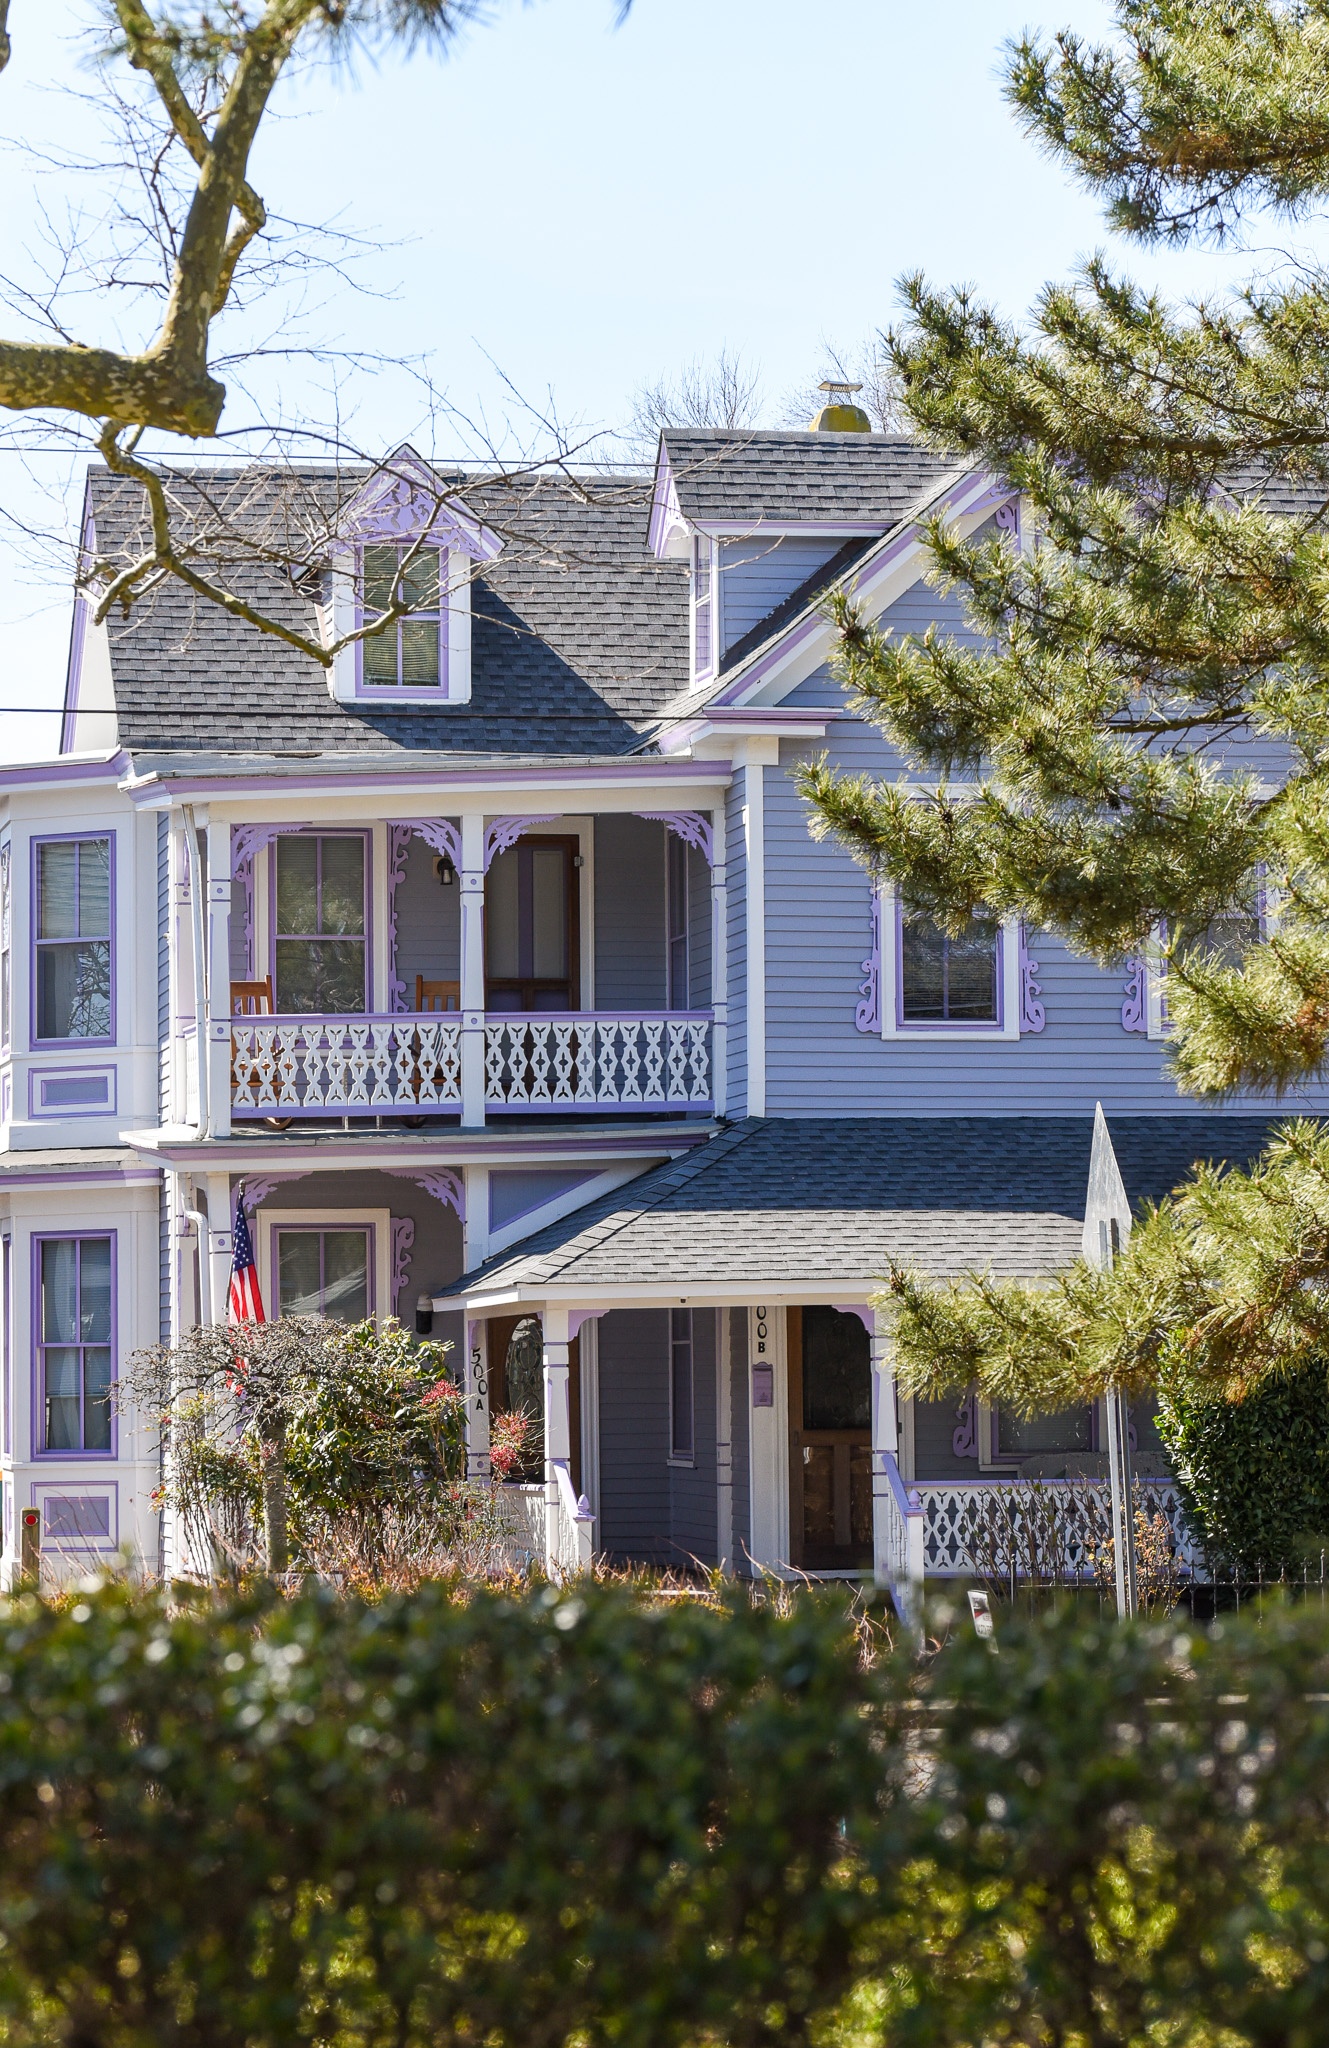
{"x":411,"y":653}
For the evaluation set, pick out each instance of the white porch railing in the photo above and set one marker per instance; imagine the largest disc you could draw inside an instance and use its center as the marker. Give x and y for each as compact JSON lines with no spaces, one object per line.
{"x":1041,"y":1529}
{"x":522,"y":1510}
{"x":328,"y":1066}
{"x":569,"y":1527}
{"x":597,"y":1061}
{"x":899,"y":1538}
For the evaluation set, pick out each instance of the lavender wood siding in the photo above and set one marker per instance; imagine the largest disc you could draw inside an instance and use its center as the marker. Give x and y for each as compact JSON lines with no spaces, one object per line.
{"x":699,"y":931}
{"x":935,"y":1424}
{"x":428,"y":922}
{"x":736,"y":859}
{"x":757,"y":574}
{"x":692,"y":1487}
{"x":629,"y":913}
{"x":635,"y":1508}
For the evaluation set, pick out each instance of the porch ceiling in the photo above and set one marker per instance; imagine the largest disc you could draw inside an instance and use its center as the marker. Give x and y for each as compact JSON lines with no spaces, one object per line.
{"x":784,"y":1205}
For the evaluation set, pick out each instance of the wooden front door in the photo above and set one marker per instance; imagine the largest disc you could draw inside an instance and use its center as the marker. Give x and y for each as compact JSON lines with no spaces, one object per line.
{"x":830,"y":1440}
{"x":500,"y":1334}
{"x":532,"y":927}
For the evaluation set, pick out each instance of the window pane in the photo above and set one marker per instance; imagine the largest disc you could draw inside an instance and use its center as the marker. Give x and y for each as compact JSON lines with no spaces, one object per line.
{"x":298,"y":1273}
{"x":1072,"y":1429}
{"x":501,"y":917}
{"x":380,"y":576}
{"x":62,"y":1417}
{"x":74,"y":990}
{"x":320,"y":977}
{"x":922,"y":971}
{"x":549,"y":913}
{"x":837,"y":1371}
{"x":59,"y":1270}
{"x":972,"y":975}
{"x":57,"y":892}
{"x":346,"y":1275}
{"x":380,"y":657}
{"x":420,"y":581}
{"x":94,"y":888}
{"x":297,"y":883}
{"x":96,"y":1398}
{"x":95,"y":1290}
{"x":419,"y":651}
{"x":343,"y":904}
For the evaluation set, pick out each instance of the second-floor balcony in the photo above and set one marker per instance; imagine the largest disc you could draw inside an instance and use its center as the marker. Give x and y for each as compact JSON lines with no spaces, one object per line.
{"x":461,"y":969}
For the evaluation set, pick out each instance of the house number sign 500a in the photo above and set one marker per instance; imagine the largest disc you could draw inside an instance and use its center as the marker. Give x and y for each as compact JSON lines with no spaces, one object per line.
{"x":763,"y":1372}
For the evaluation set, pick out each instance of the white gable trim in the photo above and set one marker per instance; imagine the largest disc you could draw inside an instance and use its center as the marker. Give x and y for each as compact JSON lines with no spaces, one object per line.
{"x":405,"y":499}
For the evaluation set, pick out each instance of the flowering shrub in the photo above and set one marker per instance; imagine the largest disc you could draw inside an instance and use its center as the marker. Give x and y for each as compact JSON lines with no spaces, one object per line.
{"x":513,"y":1446}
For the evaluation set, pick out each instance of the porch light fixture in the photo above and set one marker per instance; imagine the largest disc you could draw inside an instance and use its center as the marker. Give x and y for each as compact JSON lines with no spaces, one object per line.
{"x":444,"y":869}
{"x":424,"y":1316}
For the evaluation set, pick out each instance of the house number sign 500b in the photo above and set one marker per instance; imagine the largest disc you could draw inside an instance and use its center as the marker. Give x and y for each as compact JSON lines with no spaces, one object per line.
{"x":763,"y":1371}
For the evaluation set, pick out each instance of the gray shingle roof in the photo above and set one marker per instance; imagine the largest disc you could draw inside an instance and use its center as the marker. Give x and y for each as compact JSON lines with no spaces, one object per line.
{"x":835,"y":1201}
{"x":579,"y":635}
{"x":721,"y":474}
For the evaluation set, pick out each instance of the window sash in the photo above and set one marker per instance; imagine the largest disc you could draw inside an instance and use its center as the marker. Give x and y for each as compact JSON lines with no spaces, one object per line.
{"x":703,"y":585}
{"x":324,"y":1271}
{"x":954,"y":980}
{"x":411,"y":654}
{"x":320,"y":926}
{"x":75,"y":1312}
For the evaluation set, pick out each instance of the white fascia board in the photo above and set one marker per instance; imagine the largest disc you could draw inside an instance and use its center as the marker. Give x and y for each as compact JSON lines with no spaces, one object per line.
{"x":283,"y":792}
{"x":178,"y":1147}
{"x":726,"y":1294}
{"x":789,"y":529}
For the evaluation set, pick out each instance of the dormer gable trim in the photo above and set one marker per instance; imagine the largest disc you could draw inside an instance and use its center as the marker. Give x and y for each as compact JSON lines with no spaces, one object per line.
{"x":773,"y":670}
{"x":406,"y":500}
{"x":668,"y":535}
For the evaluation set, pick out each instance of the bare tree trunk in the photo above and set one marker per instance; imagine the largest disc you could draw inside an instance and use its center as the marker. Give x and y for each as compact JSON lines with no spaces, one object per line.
{"x":274,"y":1498}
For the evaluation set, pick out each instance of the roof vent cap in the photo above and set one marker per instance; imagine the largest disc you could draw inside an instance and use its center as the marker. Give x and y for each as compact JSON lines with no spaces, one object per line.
{"x":840,"y":415}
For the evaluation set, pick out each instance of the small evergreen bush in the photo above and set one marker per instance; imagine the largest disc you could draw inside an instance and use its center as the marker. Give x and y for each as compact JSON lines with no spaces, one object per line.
{"x":1254,"y":1474}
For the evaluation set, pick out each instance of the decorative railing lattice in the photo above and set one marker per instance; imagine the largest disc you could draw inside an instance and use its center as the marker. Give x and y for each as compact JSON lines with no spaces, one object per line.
{"x":1048,"y":1530}
{"x":596,"y":1060}
{"x":324,"y":1066}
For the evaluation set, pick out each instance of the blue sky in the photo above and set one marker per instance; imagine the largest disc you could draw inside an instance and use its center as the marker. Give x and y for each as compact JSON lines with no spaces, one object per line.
{"x":584,"y":208}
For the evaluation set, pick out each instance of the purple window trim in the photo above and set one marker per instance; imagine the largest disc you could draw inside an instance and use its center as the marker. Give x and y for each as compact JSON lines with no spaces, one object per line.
{"x":1135,"y":1007}
{"x":6,"y":941}
{"x":964,"y":1438}
{"x":867,"y":1016}
{"x":36,"y":1044}
{"x":403,"y":1238}
{"x":38,"y":1429}
{"x":1033,"y":1014}
{"x":326,"y":832}
{"x":400,"y":692}
{"x":38,"y":1107}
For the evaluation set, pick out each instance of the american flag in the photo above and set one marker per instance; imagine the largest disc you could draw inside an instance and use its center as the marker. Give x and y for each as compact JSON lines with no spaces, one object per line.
{"x":244,"y":1304}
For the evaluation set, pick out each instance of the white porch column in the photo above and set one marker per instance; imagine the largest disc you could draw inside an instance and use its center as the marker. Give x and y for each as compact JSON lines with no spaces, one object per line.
{"x":885,"y":1438}
{"x":558,"y":1420}
{"x":719,"y":964}
{"x":768,"y":1439}
{"x":182,"y":1102}
{"x":219,"y":980}
{"x":472,"y":881}
{"x":198,"y":948}
{"x":217,"y":1264}
{"x":477,"y":1400}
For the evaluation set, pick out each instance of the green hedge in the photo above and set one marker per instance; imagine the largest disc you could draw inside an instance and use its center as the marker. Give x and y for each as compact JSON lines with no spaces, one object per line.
{"x":1254,"y":1474}
{"x":593,"y":1816}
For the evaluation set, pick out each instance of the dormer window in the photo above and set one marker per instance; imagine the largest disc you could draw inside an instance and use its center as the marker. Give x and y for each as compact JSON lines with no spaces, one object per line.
{"x":410,"y":654}
{"x":703,"y":607}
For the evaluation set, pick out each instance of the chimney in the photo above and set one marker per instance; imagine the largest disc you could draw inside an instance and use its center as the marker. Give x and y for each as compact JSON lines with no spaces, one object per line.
{"x":840,"y":415}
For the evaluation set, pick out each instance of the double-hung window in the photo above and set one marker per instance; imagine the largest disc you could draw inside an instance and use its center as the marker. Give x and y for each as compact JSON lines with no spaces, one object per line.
{"x":949,"y":978}
{"x":927,"y":982}
{"x":682,"y":1415}
{"x":703,"y":608}
{"x":410,"y":654}
{"x":72,"y":939}
{"x":75,"y":1277}
{"x":320,"y":953}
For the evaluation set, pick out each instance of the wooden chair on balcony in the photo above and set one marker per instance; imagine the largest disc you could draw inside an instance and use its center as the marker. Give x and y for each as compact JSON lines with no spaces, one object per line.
{"x":436,"y":995}
{"x":252,"y":998}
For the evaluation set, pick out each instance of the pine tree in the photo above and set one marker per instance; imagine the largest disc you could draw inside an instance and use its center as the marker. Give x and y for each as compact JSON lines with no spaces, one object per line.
{"x":1140,"y":747}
